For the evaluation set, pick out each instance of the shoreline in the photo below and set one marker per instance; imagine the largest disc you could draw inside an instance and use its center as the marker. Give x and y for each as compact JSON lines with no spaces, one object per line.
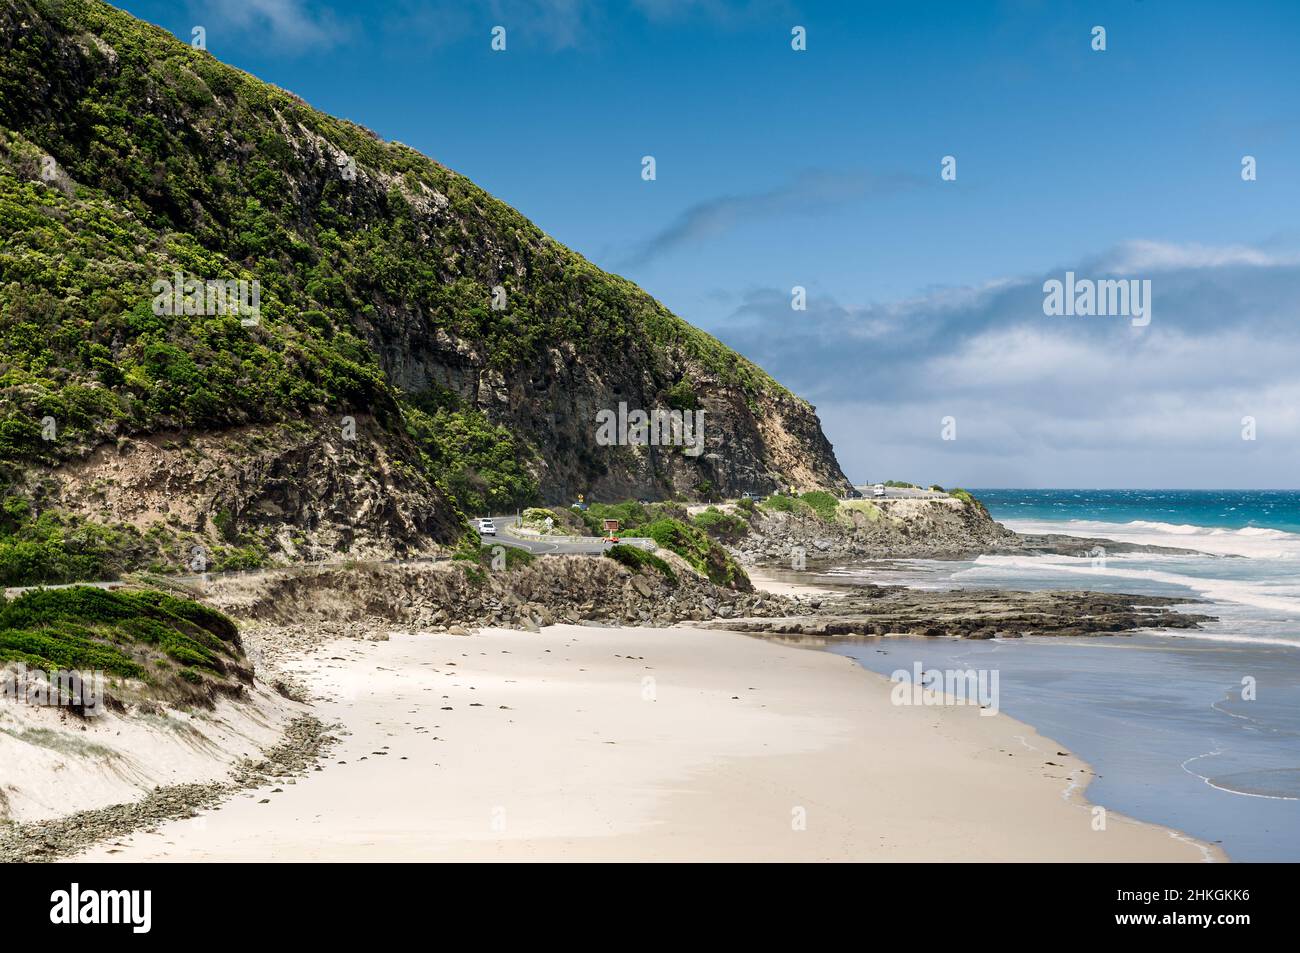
{"x":767,"y":579}
{"x":553,"y":745}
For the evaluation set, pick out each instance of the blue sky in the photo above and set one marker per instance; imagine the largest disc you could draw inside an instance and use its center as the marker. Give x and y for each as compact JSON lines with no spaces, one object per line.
{"x":821,"y":169}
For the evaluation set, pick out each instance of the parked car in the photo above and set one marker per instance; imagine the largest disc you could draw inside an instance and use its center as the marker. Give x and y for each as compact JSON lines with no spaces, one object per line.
{"x":753,"y":497}
{"x":878,"y":490}
{"x":487,"y":528}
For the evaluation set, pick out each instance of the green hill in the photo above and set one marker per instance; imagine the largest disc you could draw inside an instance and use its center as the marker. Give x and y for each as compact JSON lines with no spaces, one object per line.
{"x":379,"y":396}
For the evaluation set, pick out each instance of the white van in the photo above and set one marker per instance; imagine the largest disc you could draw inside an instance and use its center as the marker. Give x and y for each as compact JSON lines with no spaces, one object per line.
{"x":878,"y":490}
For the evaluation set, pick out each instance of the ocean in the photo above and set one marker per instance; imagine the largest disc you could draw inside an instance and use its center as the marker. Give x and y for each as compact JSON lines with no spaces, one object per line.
{"x":1198,"y":730}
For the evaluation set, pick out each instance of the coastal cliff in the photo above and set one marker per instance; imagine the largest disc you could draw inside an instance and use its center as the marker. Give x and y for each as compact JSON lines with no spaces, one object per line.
{"x":419,"y":350}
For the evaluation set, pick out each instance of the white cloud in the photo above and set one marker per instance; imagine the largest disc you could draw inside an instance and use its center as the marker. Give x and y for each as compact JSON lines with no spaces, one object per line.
{"x":1140,"y":256}
{"x":282,"y":22}
{"x":1064,"y":401}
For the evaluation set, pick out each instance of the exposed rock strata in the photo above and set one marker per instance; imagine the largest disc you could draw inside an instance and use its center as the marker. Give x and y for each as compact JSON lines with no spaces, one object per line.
{"x":907,"y":529}
{"x":977,"y":614}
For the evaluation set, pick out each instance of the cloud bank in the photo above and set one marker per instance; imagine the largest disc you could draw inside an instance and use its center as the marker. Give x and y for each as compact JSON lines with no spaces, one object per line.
{"x":1055,"y":401}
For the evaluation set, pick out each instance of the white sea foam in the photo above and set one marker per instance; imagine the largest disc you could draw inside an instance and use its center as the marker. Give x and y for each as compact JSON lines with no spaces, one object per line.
{"x":1242,"y":591}
{"x":1180,"y":529}
{"x":1252,"y":541}
{"x":1224,"y":584}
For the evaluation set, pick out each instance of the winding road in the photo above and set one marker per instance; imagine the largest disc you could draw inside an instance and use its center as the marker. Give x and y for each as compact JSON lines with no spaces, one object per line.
{"x":540,"y":546}
{"x":555,"y":545}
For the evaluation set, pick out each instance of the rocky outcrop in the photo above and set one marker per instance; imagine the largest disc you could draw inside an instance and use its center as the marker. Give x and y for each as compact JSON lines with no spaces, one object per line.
{"x":976,"y":614}
{"x":455,"y":596}
{"x":941,"y":528}
{"x":752,"y":442}
{"x":290,"y":611}
{"x":302,"y":491}
{"x":934,"y":528}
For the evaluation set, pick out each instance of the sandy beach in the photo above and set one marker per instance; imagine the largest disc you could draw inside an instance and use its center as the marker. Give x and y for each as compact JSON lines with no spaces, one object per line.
{"x":589,"y":743}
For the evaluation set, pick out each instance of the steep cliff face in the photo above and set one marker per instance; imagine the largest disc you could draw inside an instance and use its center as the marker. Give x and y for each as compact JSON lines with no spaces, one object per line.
{"x":301,"y":490}
{"x":390,"y":288}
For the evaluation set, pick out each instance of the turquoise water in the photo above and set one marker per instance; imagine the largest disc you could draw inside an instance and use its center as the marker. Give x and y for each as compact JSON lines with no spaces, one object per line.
{"x":1197,"y":730}
{"x":1247,"y":544}
{"x":1228,"y":509}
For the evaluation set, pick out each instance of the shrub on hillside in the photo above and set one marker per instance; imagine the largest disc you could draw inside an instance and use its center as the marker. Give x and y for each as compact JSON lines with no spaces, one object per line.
{"x":50,"y":548}
{"x":720,"y":525}
{"x":824,"y":504}
{"x":780,"y":503}
{"x":681,"y":396}
{"x":535,"y":519}
{"x":702,"y":553}
{"x":636,"y":558}
{"x":148,"y":636}
{"x":630,"y":514}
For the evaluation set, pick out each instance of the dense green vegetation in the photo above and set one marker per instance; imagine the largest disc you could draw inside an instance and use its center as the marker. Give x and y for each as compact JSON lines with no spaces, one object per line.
{"x":127,"y":156}
{"x":780,"y":503}
{"x":815,"y":503}
{"x":825,"y":505}
{"x":83,"y":347}
{"x":485,"y":554}
{"x":629,"y":513}
{"x":665,"y":524}
{"x":134,"y":123}
{"x":52,"y":549}
{"x":147,"y":635}
{"x":703,"y":554}
{"x":636,"y":558}
{"x":483,"y":467}
{"x":724,"y":527}
{"x":681,"y":396}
